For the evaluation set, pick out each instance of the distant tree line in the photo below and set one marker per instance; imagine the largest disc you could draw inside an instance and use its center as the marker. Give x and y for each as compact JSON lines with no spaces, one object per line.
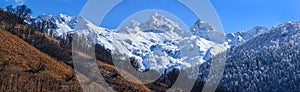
{"x":21,"y":11}
{"x":18,"y":15}
{"x":15,"y":14}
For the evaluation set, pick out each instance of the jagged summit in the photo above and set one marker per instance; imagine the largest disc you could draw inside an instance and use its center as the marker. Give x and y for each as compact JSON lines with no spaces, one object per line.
{"x":159,"y":22}
{"x":159,"y":37}
{"x":131,"y":27}
{"x":86,"y":24}
{"x":156,"y":17}
{"x":207,"y":31}
{"x":201,"y":26}
{"x":240,"y":37}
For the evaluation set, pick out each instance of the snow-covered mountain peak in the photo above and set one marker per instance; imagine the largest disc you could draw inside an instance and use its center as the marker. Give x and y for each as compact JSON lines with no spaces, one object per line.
{"x":200,"y":21}
{"x":131,"y":27}
{"x":257,"y":30}
{"x":159,"y":22}
{"x":84,"y":24}
{"x":160,"y":43}
{"x":66,"y":18}
{"x":54,"y":25}
{"x":155,"y":48}
{"x":283,"y":34}
{"x":288,"y":24}
{"x":201,"y":26}
{"x":61,"y":18}
{"x":158,"y":17}
{"x":133,"y":23}
{"x":240,"y":37}
{"x":207,"y":31}
{"x":97,"y":34}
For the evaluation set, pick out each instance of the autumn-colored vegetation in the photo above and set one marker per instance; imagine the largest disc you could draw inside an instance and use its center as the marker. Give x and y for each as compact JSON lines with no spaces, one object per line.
{"x":17,"y":57}
{"x":33,"y":61}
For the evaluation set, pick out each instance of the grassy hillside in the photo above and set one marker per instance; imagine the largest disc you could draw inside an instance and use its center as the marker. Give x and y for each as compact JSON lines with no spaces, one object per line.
{"x":17,"y":61}
{"x":41,"y":49}
{"x":33,"y":61}
{"x":18,"y":58}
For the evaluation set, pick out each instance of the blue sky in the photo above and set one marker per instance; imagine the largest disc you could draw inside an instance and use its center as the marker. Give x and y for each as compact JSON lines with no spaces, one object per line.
{"x":236,"y":15}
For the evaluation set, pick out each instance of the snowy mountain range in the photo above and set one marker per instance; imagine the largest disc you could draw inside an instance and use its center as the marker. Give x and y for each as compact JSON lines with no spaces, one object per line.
{"x":259,"y":59}
{"x":268,"y":62}
{"x":57,"y":26}
{"x":155,"y":44}
{"x":237,"y":38}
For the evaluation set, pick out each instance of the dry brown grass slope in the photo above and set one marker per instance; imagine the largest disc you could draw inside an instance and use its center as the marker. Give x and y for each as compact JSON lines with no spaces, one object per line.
{"x":21,"y":57}
{"x":14,"y":49}
{"x":17,"y":58}
{"x":112,"y":76}
{"x":31,"y":61}
{"x":61,"y":51}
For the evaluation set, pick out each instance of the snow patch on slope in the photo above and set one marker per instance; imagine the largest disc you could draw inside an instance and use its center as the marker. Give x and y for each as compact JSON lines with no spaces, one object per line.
{"x":156,"y":44}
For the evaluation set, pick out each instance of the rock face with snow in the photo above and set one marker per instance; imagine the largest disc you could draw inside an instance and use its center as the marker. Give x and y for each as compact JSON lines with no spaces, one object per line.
{"x":267,"y":62}
{"x":57,"y":26}
{"x":259,"y":59}
{"x":160,"y":43}
{"x":156,"y":44}
{"x":207,"y":31}
{"x":159,"y":22}
{"x":237,"y":38}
